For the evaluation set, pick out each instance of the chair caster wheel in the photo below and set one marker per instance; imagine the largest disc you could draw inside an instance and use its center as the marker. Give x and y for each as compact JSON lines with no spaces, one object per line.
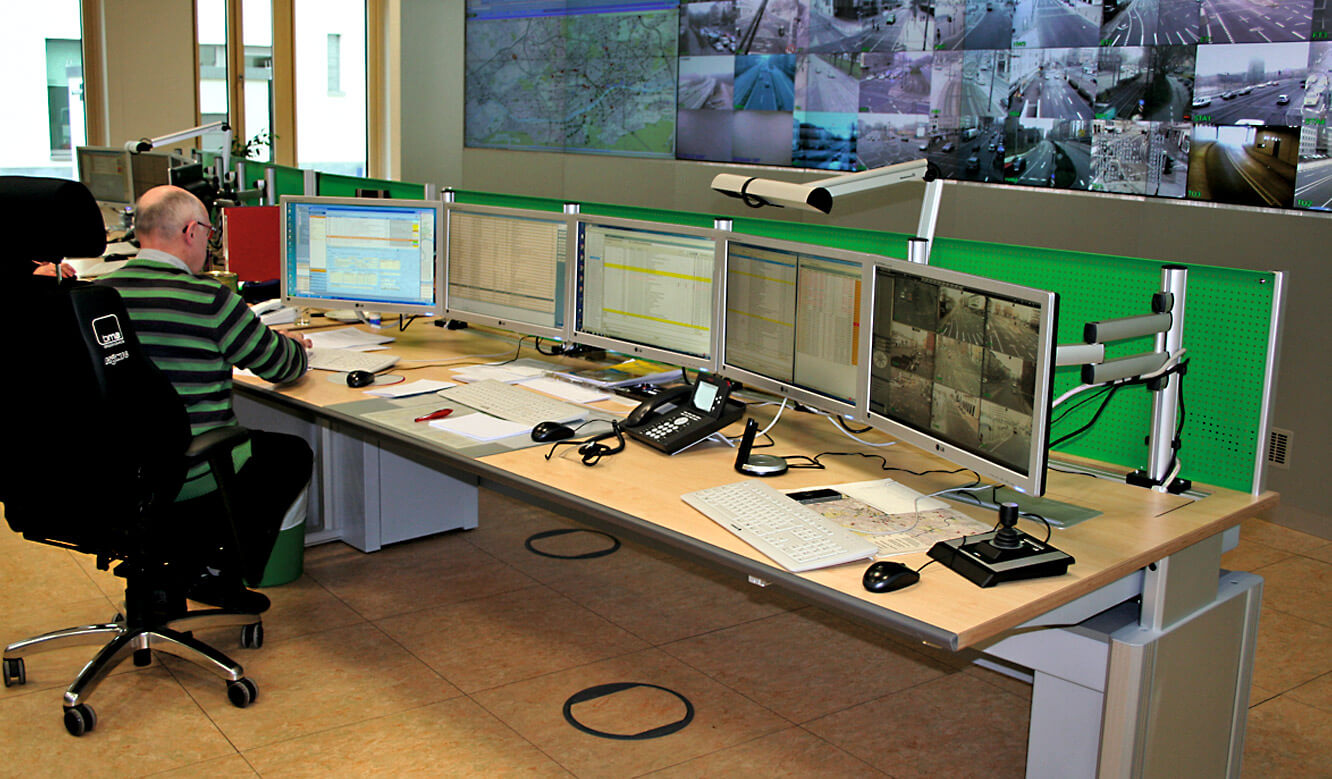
{"x":80,"y":719}
{"x":15,"y":673}
{"x":242,"y":692}
{"x":252,"y":635}
{"x":143,"y":657}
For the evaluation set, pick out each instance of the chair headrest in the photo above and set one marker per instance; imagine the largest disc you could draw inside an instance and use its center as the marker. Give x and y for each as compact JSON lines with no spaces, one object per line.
{"x":48,"y":219}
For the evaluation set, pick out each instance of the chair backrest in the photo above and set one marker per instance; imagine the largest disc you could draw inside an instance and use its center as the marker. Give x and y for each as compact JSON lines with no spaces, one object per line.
{"x":94,"y":433}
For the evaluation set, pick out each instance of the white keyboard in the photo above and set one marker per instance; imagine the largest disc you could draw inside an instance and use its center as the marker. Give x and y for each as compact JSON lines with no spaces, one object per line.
{"x":347,"y":360}
{"x":796,"y":537}
{"x":512,"y":403}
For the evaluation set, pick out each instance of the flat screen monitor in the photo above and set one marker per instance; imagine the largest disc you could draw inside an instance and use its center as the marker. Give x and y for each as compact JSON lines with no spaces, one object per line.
{"x":508,"y":268}
{"x":107,"y":174}
{"x":367,"y":254}
{"x":962,"y":366}
{"x":648,"y":289}
{"x":792,"y":320}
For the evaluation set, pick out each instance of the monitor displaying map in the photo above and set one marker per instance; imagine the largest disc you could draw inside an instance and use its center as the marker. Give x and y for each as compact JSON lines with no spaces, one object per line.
{"x":1201,"y":100}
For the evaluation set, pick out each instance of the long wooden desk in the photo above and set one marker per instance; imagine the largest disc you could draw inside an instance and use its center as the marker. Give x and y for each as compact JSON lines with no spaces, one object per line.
{"x":1121,"y":650}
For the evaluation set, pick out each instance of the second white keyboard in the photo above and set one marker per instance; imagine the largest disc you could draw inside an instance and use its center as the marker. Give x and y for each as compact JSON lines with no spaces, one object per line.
{"x":348,"y":360}
{"x":794,"y":535}
{"x":513,"y":403}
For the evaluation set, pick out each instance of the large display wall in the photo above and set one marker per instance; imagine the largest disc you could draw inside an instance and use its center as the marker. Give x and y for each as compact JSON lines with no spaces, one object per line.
{"x":1213,"y":100}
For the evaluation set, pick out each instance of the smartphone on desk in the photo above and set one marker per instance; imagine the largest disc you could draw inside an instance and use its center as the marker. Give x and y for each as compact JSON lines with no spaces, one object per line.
{"x":680,"y":418}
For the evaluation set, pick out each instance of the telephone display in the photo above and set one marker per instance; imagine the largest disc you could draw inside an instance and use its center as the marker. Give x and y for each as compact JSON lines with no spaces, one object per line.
{"x":679,"y":419}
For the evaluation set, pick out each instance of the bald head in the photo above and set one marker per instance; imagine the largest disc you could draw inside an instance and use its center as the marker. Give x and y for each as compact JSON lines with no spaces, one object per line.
{"x":172,"y":220}
{"x":164,"y":211}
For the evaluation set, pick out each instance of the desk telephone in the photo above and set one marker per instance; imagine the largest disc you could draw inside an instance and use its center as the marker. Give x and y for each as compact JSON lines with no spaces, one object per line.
{"x":678,"y":419}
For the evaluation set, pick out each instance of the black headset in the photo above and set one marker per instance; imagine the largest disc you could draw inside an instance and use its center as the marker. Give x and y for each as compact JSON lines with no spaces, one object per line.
{"x":592,"y":449}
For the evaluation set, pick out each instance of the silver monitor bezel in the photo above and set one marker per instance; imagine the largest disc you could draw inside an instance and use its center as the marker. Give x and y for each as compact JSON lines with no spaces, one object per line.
{"x":462,"y":313}
{"x":646,"y":351}
{"x":337,"y":303}
{"x":1032,"y":482}
{"x":801,"y":394}
{"x":128,"y":178}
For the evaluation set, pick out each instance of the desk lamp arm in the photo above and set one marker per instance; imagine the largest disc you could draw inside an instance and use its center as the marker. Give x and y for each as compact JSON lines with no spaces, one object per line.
{"x":148,"y":144}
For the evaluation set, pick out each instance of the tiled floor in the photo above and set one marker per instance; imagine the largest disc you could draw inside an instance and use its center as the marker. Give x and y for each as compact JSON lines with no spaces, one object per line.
{"x":454,"y":656}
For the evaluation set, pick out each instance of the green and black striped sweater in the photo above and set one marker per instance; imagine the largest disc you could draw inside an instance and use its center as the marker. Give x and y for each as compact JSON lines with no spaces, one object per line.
{"x":195,"y":329}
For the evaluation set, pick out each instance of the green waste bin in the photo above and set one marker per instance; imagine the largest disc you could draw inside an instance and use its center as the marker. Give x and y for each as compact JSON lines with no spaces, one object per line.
{"x":287,"y":561}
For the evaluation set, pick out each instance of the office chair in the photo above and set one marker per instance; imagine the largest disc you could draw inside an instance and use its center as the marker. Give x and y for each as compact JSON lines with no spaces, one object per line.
{"x":98,"y":404}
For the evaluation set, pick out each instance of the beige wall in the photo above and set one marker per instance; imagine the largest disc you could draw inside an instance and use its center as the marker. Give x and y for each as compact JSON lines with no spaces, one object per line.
{"x":148,"y":68}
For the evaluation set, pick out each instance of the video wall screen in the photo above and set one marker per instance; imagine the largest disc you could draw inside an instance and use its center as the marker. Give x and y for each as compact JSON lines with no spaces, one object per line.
{"x":1213,"y":100}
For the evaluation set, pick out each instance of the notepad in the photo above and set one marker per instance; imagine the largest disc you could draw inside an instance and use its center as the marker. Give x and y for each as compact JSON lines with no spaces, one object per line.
{"x":508,"y":374}
{"x":481,"y":427}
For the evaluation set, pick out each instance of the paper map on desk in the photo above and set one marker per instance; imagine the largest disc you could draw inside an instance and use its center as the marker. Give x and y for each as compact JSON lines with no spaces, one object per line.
{"x":884,"y":512}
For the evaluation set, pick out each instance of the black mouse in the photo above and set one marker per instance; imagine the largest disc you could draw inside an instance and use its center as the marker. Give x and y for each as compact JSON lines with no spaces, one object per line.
{"x":551,"y":431}
{"x":360,"y":379}
{"x":887,"y":576}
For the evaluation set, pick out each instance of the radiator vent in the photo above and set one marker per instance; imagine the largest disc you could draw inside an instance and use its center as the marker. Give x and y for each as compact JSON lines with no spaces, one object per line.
{"x":1278,"y":448}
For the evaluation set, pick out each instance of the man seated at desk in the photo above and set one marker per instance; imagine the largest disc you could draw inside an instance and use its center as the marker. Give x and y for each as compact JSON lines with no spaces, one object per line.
{"x":195,"y":329}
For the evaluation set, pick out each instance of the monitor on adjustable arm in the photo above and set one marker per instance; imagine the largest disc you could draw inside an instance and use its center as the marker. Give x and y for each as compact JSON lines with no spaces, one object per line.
{"x":792,"y":320}
{"x":962,"y":367}
{"x":648,"y":290}
{"x":361,"y":254}
{"x":508,"y":268}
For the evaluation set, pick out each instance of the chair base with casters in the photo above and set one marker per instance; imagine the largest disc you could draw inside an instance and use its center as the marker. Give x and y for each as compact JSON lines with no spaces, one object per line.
{"x":143,"y":629}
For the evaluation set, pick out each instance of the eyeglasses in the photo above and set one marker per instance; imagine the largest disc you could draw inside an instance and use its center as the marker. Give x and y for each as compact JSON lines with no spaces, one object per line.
{"x":204,"y":225}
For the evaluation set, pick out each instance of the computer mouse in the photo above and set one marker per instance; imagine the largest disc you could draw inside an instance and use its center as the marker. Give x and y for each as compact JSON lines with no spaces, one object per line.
{"x":360,"y":379}
{"x":551,"y":431}
{"x":887,"y":576}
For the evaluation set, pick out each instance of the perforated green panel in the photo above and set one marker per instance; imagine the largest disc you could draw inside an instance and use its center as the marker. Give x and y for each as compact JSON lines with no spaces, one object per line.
{"x":338,"y":185}
{"x":1226,"y":323}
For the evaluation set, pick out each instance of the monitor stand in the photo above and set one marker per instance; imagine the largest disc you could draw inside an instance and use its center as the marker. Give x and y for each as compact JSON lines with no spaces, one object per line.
{"x":1057,"y":513}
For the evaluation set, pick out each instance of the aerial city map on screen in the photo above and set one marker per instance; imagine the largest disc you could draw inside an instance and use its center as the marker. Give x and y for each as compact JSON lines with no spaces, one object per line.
{"x":1213,"y":100}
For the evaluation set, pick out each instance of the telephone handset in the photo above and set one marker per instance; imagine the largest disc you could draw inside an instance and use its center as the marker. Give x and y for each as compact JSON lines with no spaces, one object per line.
{"x":681,"y":418}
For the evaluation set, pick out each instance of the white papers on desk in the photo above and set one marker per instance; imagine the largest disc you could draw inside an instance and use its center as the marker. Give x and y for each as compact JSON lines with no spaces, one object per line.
{"x":92,"y":267}
{"x":566,"y":390}
{"x":482,"y":427}
{"x":509,"y":374}
{"x":347,"y":338}
{"x":419,"y":387}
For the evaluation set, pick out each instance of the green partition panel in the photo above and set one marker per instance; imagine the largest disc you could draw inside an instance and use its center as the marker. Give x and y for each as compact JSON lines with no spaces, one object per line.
{"x":288,"y":181}
{"x":1226,"y":324}
{"x":340,"y":185}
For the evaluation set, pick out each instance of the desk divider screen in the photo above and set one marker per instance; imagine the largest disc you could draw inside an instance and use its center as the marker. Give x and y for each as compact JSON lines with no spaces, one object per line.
{"x":341,"y":185}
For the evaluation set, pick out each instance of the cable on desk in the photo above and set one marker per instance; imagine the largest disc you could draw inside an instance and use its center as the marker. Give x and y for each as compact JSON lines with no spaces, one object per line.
{"x":841,"y":422}
{"x":994,"y":498}
{"x":404,"y":321}
{"x":443,"y":363}
{"x":836,"y":422}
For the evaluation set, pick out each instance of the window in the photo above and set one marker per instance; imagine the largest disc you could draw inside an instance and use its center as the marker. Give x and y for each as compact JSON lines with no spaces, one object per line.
{"x":330,"y":54}
{"x":257,"y":38}
{"x":42,"y":59}
{"x":211,"y":35}
{"x":334,"y":64}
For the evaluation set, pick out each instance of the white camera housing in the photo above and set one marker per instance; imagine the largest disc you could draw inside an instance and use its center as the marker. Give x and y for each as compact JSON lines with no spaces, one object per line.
{"x":819,"y":195}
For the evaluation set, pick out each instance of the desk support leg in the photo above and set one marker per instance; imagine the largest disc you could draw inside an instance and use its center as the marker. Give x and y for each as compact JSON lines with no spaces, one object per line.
{"x":1114,"y":697}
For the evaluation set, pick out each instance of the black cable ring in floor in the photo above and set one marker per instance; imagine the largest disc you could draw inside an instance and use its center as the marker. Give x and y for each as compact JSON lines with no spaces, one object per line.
{"x":614,"y":547}
{"x":602,"y":690}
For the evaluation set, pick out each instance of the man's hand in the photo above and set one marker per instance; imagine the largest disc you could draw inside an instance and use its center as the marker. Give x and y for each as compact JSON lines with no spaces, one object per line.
{"x":49,"y":269}
{"x":298,"y":338}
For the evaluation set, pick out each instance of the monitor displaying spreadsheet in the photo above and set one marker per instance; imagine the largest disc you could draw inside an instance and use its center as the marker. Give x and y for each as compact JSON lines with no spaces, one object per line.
{"x":361,"y":253}
{"x":507,"y":268}
{"x":647,"y":289}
